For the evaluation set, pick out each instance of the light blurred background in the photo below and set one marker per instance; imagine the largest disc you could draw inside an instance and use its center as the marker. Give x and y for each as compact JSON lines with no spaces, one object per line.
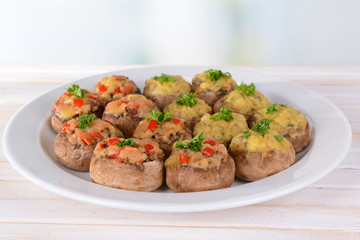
{"x":246,"y":32}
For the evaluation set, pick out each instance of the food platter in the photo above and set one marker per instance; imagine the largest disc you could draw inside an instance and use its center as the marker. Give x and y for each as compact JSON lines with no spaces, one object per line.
{"x":36,"y":160}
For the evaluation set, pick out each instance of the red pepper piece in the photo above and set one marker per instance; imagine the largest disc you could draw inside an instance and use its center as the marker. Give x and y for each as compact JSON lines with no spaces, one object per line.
{"x":94,"y":96}
{"x":113,"y":141}
{"x":117,"y":90}
{"x":176,"y":120}
{"x":149,"y":148}
{"x":66,"y":125}
{"x":152,"y":124}
{"x":183,"y":158}
{"x":68,"y":94}
{"x":102,"y":88}
{"x":108,"y":121}
{"x":126,"y":89}
{"x":117,"y":157}
{"x":211,"y":141}
{"x":208,"y":151}
{"x":97,"y":135}
{"x":121,"y":102}
{"x":79,"y":102}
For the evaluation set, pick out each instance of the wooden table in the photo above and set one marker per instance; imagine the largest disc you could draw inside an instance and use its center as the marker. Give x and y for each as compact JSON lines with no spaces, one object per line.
{"x":327,"y":209}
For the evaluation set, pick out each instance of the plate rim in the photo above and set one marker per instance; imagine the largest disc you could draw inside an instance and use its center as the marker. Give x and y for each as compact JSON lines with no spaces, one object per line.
{"x":169,"y":207}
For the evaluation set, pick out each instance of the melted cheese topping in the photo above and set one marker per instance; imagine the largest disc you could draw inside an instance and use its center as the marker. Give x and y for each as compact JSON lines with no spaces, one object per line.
{"x":114,"y":87}
{"x":134,"y":104}
{"x":155,"y":88}
{"x":88,"y":136}
{"x":257,"y":143}
{"x":244,"y":104}
{"x":163,"y":132}
{"x":221,"y":130}
{"x":66,"y":109}
{"x":188,"y":113}
{"x":286,"y":120}
{"x":128,"y":154}
{"x":198,"y":159}
{"x":224,"y":84}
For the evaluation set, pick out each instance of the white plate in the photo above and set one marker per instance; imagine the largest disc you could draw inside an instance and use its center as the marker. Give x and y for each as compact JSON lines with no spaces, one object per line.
{"x":28,"y":145}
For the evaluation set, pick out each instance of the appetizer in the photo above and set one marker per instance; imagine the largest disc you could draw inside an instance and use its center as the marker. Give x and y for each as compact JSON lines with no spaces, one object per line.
{"x":212,"y":84}
{"x":128,"y":112}
{"x":189,"y":108}
{"x":165,"y":89}
{"x":115,"y":87}
{"x":130,"y":164}
{"x":288,"y":122}
{"x":199,"y":165}
{"x":245,"y":100}
{"x":75,"y":144}
{"x":74,"y":102}
{"x":260,"y":152}
{"x":221,"y":126}
{"x":164,"y":129}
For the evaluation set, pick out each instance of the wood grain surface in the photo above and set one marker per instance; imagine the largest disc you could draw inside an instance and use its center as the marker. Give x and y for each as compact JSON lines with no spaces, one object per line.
{"x":328,"y":209}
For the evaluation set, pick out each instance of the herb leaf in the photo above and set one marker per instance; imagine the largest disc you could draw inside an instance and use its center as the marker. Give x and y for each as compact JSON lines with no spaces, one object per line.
{"x":246,"y":89}
{"x":272,"y":108}
{"x":262,"y":127}
{"x":85,"y":120}
{"x":216,"y":74}
{"x":189,"y":100}
{"x":159,"y":116}
{"x":76,"y":90}
{"x":225,"y":114}
{"x":127,"y":142}
{"x":279,"y":137}
{"x":194,"y":144}
{"x":164,"y":78}
{"x":246,"y":134}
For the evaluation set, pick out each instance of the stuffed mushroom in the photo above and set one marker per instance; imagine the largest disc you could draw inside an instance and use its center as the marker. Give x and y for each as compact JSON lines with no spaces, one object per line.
{"x":128,"y":112}
{"x":260,"y":152}
{"x":221,"y":126}
{"x":288,"y":122}
{"x":199,"y":165}
{"x":245,"y":100}
{"x":115,"y":87}
{"x":212,"y":84}
{"x":74,"y":102}
{"x":130,"y":164}
{"x":165,"y":89}
{"x":164,"y":129}
{"x":189,"y":108}
{"x":75,"y":144}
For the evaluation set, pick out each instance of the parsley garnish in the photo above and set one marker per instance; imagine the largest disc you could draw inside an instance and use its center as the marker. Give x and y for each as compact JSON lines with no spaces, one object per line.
{"x":76,"y":90}
{"x":216,"y":74}
{"x":279,"y":137}
{"x":246,"y":134}
{"x":189,"y":100}
{"x":194,"y":144}
{"x":262,"y":127}
{"x":159,"y":116}
{"x":85,"y":120}
{"x":164,"y":78}
{"x":127,"y":142}
{"x":225,"y":114}
{"x":272,"y":108}
{"x":246,"y":89}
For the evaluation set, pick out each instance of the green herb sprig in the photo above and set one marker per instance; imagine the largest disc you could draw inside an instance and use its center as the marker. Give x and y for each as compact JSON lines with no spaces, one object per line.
{"x":225,"y":114}
{"x":262,"y":127}
{"x":194,"y":144}
{"x":246,"y":134}
{"x":215,"y":75}
{"x":189,"y":100}
{"x":163,"y":78}
{"x":272,"y":108}
{"x":279,"y":137}
{"x":76,"y":90}
{"x":246,"y":89}
{"x":159,"y":116}
{"x":127,"y":142}
{"x":85,"y":120}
